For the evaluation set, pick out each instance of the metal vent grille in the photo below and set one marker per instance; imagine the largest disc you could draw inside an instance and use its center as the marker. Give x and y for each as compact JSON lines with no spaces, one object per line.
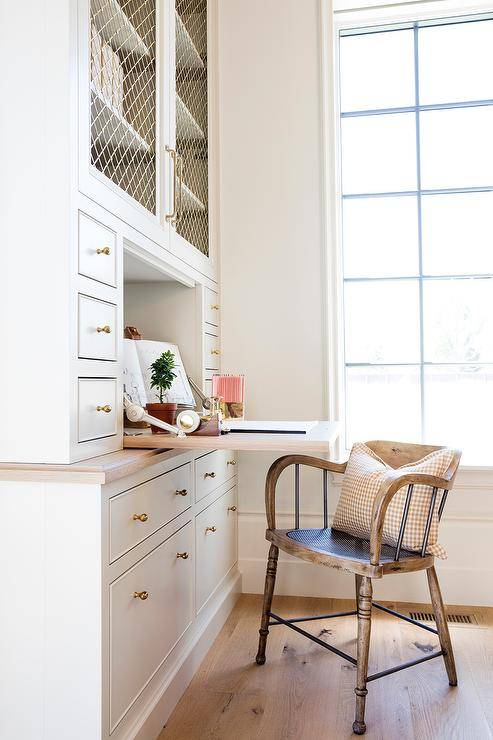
{"x":123,"y":95}
{"x":451,"y":618}
{"x":191,"y":121}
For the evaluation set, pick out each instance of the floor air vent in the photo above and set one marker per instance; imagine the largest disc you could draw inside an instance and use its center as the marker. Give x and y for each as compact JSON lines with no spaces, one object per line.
{"x":451,"y":618}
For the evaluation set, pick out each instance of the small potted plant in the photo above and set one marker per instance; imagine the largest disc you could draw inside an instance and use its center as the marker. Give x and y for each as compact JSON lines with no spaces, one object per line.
{"x":162,"y":377}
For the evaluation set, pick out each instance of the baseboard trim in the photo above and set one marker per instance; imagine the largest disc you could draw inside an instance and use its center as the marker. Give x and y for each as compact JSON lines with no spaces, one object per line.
{"x":154,"y":715}
{"x":460,"y":586}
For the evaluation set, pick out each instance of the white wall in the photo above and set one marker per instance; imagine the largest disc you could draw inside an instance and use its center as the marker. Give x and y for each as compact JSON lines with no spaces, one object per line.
{"x":272,"y":288}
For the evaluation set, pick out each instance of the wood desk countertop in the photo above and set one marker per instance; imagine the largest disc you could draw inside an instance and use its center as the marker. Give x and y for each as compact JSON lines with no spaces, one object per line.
{"x":148,"y":449}
{"x":318,"y":440}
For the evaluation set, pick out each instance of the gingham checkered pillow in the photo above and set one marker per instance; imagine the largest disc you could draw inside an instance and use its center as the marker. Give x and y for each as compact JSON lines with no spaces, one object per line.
{"x":362,"y":480}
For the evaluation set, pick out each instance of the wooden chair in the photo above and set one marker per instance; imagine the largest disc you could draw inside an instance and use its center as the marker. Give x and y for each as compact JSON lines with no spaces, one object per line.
{"x":366,"y":559}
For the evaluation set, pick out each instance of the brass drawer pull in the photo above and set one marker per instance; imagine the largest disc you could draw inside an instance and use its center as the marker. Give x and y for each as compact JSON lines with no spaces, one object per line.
{"x":214,"y":306}
{"x":140,"y":517}
{"x":104,"y":250}
{"x":231,"y":462}
{"x":210,"y":529}
{"x":182,"y":555}
{"x":183,"y":492}
{"x":231,"y":508}
{"x":142,"y":595}
{"x":215,"y":351}
{"x":104,"y":408}
{"x":105,"y":329}
{"x":209,"y":475}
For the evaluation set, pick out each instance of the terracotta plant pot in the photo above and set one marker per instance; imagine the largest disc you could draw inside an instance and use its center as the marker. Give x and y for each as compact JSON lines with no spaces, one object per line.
{"x":163,"y":411}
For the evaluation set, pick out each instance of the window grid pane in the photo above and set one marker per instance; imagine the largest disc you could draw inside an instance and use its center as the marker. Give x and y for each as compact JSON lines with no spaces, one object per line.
{"x":372,"y":373}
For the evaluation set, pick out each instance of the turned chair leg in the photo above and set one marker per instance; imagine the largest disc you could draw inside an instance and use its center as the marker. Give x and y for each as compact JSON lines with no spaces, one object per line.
{"x":270,"y":582}
{"x":442,"y":626}
{"x":357,"y":583}
{"x":364,"y":629}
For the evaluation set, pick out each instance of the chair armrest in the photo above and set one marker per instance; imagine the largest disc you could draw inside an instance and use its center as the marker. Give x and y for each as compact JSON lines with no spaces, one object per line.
{"x":281,"y":464}
{"x":391,"y":484}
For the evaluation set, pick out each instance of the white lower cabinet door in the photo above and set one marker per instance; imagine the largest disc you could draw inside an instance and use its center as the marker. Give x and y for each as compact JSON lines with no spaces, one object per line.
{"x":215,"y":545}
{"x":150,"y":609}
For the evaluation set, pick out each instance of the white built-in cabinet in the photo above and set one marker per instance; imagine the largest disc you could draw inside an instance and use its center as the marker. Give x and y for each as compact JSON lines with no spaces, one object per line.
{"x":147,"y":119}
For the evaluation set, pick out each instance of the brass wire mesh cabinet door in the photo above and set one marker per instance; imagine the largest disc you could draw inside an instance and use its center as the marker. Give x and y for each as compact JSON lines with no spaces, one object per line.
{"x":123,"y":95}
{"x":192,"y":221}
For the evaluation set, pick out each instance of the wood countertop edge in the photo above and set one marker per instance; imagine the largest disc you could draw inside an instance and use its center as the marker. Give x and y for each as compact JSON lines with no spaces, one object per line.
{"x":98,"y":470}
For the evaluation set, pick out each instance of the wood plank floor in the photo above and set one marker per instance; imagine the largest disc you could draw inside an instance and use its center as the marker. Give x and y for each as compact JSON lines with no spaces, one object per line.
{"x":304,"y":692}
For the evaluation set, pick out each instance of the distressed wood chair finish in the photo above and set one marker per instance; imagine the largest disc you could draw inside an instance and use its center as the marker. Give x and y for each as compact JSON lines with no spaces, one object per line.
{"x":366,"y":559}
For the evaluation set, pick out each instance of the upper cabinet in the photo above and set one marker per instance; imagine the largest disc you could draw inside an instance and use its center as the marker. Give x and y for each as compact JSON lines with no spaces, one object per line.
{"x":145,"y":114}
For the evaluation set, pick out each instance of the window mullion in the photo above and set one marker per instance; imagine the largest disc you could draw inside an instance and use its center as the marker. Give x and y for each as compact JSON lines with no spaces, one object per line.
{"x":420,"y":234}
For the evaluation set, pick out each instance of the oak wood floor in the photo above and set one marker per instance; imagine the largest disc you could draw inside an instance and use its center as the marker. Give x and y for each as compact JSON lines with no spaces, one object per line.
{"x":304,"y":692}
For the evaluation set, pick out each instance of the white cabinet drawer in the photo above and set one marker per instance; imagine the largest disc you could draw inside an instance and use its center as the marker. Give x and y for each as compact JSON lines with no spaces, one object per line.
{"x":97,"y":329}
{"x":212,"y":470}
{"x":215,"y":542}
{"x":144,"y":631}
{"x":212,"y":352}
{"x":97,"y":408}
{"x":97,"y":251}
{"x":137,"y":513}
{"x":211,"y":307}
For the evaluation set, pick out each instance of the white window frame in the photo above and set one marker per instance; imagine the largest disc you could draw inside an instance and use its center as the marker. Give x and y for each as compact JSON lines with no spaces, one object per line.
{"x":350,"y":14}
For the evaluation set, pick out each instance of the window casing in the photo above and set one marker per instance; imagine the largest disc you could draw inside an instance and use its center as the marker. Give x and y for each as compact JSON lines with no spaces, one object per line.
{"x":416,"y":109}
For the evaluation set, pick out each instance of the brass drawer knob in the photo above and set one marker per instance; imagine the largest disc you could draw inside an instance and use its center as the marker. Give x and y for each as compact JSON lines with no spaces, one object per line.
{"x":210,"y":529}
{"x":104,"y":408}
{"x":231,"y":462}
{"x":215,"y":351}
{"x":142,"y":595}
{"x":215,"y":306}
{"x":104,"y":250}
{"x":231,"y":508}
{"x":183,"y":492}
{"x":104,"y":329}
{"x":209,"y":475}
{"x":140,"y":517}
{"x":182,"y":555}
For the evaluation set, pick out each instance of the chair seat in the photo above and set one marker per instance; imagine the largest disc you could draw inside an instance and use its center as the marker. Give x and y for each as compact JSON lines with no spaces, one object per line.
{"x":343,"y":545}
{"x":340,"y":550}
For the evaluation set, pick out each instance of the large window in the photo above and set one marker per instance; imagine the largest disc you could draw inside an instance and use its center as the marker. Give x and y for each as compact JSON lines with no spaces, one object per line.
{"x":417,"y":215}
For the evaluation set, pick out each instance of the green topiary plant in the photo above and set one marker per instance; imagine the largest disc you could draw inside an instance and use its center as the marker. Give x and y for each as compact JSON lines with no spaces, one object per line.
{"x":162,"y":373}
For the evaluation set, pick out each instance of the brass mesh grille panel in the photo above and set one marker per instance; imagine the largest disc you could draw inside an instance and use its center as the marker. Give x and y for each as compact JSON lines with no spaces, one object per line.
{"x":123,"y":95}
{"x":191,"y":121}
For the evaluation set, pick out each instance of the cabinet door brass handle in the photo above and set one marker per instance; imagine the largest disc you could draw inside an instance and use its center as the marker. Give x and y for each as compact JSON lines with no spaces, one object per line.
{"x":104,"y":408}
{"x":215,"y":351}
{"x":231,"y":508}
{"x":231,"y":462}
{"x":209,"y":475}
{"x":104,"y":250}
{"x":105,"y":329}
{"x":182,"y":555}
{"x":214,"y":306}
{"x":183,"y":492}
{"x":210,"y":529}
{"x":172,"y":216}
{"x":142,"y":595}
{"x":140,"y":517}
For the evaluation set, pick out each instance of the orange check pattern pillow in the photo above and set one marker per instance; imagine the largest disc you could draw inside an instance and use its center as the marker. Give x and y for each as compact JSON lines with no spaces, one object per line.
{"x":362,"y":479}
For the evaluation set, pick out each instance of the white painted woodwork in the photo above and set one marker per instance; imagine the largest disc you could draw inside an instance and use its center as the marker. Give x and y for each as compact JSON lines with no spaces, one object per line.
{"x":97,"y":329}
{"x":215,"y":534}
{"x":213,"y":470}
{"x":144,"y":632}
{"x":160,"y":500}
{"x":95,"y":240}
{"x":212,"y":352}
{"x":211,"y":307}
{"x":98,"y":408}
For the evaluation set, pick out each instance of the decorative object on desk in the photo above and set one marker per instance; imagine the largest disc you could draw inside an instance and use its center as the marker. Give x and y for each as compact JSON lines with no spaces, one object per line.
{"x":131,"y":332}
{"x":162,"y":377}
{"x":138,"y":358}
{"x":231,"y":390}
{"x":211,"y":424}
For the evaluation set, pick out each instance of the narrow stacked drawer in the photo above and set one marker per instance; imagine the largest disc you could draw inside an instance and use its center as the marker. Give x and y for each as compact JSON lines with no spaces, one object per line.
{"x":211,"y":341}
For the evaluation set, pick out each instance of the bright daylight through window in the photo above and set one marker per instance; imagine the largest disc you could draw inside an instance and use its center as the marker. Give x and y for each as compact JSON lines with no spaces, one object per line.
{"x":417,"y":209}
